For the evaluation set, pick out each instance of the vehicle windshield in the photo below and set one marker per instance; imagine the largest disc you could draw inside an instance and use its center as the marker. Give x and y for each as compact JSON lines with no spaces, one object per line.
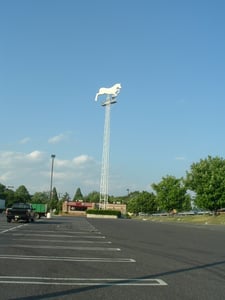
{"x":21,"y":206}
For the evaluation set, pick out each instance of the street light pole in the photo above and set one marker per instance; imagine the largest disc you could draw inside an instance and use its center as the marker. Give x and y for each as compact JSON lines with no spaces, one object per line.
{"x":52,"y":157}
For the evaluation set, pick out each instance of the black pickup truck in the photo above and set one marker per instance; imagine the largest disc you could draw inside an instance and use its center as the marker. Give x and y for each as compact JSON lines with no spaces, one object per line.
{"x":20,"y":211}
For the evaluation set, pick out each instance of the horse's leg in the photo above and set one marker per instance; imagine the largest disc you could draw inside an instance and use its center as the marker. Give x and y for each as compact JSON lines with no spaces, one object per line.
{"x":96,"y":97}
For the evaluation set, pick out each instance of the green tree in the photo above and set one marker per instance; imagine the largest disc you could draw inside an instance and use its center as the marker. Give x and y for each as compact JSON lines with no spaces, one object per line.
{"x":40,"y":197}
{"x":22,"y":195}
{"x":9,"y":197}
{"x":93,"y":197}
{"x":59,"y":206}
{"x":66,"y":197}
{"x":78,"y":195}
{"x":142,"y":202}
{"x":171,"y":194}
{"x":2,"y":191}
{"x":119,"y":199}
{"x":54,"y":200}
{"x":207,"y":179}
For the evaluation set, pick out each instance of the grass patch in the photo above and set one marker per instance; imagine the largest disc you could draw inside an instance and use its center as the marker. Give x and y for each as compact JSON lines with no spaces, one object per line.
{"x":196,"y":219}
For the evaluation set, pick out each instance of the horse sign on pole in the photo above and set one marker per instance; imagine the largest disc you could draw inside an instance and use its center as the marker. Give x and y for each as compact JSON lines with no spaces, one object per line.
{"x":112,"y":91}
{"x":111,"y":94}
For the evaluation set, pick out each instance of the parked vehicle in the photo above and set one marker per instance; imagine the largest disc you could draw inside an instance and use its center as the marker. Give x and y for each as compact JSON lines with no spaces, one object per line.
{"x":187,"y":213}
{"x":2,"y":205}
{"x":40,"y":209}
{"x":204,"y":212}
{"x":20,"y":211}
{"x":161,"y":214}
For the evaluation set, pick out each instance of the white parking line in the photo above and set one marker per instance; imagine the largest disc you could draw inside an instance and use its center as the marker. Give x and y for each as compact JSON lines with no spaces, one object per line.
{"x":83,"y":281}
{"x":63,"y":241}
{"x":13,"y":228}
{"x":59,"y":235}
{"x":63,"y":247}
{"x":67,"y":259}
{"x":63,"y":232}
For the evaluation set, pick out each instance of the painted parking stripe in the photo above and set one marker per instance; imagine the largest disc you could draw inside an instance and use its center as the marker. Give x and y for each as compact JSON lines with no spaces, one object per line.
{"x":67,"y":259}
{"x":63,"y":247}
{"x":63,"y":241}
{"x":83,"y":281}
{"x":47,"y":232}
{"x":60,"y":235}
{"x":12,"y":228}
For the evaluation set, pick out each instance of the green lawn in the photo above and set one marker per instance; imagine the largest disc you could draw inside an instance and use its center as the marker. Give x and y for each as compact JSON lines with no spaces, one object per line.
{"x":196,"y":219}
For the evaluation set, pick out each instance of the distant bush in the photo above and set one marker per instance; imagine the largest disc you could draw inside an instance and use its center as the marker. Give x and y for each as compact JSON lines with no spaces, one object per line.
{"x":104,"y":212}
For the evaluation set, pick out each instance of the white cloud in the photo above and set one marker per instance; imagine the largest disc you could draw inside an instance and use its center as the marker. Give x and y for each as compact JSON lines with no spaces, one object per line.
{"x":35,"y":155}
{"x":62,"y":163}
{"x":6,"y":177}
{"x":57,"y":138}
{"x":10,"y":159}
{"x":33,"y":170}
{"x":82,"y":159}
{"x":13,"y":158}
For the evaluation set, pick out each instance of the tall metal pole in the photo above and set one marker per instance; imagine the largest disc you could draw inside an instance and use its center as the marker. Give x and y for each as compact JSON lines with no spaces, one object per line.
{"x":53,"y":157}
{"x":111,"y":93}
{"x":104,"y":183}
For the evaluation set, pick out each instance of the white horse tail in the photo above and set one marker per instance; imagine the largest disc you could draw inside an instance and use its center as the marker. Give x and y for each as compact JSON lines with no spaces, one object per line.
{"x":96,"y":97}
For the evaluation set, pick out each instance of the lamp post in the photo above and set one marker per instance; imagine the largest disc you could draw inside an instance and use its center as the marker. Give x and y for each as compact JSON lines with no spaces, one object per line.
{"x":52,"y":157}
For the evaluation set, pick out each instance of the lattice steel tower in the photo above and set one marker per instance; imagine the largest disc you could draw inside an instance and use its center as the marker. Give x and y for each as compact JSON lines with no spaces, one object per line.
{"x":104,"y":182}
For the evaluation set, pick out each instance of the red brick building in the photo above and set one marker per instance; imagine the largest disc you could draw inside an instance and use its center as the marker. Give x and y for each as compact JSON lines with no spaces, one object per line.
{"x":76,"y":206}
{"x":80,"y":207}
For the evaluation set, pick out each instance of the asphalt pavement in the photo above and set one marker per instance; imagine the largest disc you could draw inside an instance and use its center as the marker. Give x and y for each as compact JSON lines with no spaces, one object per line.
{"x":79,"y":258}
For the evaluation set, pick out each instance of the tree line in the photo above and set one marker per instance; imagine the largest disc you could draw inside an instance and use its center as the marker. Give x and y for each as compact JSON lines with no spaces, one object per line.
{"x":53,"y":201}
{"x":202,"y":187}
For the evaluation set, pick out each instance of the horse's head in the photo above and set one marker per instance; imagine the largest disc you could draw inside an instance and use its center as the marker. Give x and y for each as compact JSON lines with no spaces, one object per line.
{"x":118,"y":86}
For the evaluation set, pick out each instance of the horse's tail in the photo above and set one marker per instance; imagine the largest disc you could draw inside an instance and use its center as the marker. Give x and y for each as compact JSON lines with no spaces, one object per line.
{"x":96,"y":97}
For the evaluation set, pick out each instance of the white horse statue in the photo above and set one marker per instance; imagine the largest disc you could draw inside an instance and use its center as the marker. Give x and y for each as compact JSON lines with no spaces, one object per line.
{"x":113,"y":91}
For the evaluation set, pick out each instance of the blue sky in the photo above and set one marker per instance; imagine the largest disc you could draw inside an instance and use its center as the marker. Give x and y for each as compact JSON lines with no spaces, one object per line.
{"x":56,"y":54}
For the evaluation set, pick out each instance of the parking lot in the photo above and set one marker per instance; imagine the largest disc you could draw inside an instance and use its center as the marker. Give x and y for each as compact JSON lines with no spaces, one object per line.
{"x":55,"y":258}
{"x":76,"y":258}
